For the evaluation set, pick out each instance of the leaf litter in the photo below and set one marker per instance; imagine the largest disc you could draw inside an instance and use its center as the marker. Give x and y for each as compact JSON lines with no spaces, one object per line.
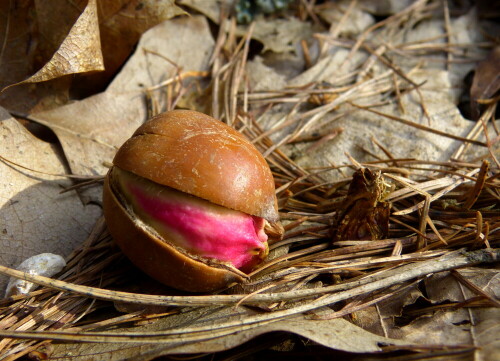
{"x":386,"y":93}
{"x":54,"y":39}
{"x":30,"y":221}
{"x":72,"y":57}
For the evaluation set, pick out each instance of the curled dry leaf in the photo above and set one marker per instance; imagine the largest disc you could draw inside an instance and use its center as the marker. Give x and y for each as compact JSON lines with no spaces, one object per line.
{"x":211,"y":9}
{"x":21,"y":39}
{"x":35,"y":218}
{"x":363,"y":215}
{"x":36,"y":30}
{"x":439,"y":317}
{"x":337,"y":333}
{"x":80,"y":51}
{"x":278,"y":35}
{"x":122,"y":24}
{"x":452,"y":325}
{"x":486,"y":81}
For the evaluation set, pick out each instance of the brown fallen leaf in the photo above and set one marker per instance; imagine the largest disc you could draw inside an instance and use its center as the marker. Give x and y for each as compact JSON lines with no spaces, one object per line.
{"x":446,"y":287}
{"x":446,"y":320}
{"x":278,"y":35}
{"x":211,"y":9}
{"x":38,"y":30}
{"x":121,"y":24}
{"x":486,"y":82}
{"x":34,"y":217}
{"x":21,"y":57}
{"x":80,"y":51}
{"x":363,"y":215}
{"x":336,"y":333}
{"x":380,"y":319}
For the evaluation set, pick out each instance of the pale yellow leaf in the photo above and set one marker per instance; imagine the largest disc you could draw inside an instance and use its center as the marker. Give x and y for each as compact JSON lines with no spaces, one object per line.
{"x":80,"y":51}
{"x":278,"y":35}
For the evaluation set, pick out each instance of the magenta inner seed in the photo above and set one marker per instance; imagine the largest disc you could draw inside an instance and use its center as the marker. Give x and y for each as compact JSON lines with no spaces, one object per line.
{"x":204,"y":228}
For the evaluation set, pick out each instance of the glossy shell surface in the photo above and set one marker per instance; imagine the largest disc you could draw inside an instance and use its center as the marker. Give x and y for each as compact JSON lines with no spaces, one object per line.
{"x":199,"y":155}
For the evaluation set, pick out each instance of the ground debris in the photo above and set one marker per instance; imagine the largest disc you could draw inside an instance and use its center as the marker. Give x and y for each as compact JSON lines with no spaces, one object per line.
{"x":363,"y":215}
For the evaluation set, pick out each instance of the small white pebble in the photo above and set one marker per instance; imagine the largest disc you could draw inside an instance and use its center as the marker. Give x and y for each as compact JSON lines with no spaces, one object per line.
{"x":44,"y":264}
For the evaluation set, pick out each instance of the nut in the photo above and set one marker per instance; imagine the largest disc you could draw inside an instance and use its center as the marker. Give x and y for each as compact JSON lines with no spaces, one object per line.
{"x":188,"y":200}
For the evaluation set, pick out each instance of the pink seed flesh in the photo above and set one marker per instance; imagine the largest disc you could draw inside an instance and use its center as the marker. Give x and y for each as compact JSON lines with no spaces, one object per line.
{"x":203,"y":228}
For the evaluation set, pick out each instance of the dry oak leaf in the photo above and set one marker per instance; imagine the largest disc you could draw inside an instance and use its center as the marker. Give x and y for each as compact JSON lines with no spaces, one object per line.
{"x":336,"y":334}
{"x":121,"y":23}
{"x":211,"y":9}
{"x":33,"y":30}
{"x":486,"y":81}
{"x":80,"y":51}
{"x":451,"y":326}
{"x":34,"y":217}
{"x":24,"y":53}
{"x":278,"y":35}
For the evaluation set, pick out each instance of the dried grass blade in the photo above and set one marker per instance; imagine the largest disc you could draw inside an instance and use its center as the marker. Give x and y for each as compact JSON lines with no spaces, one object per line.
{"x":437,"y":195}
{"x":405,"y":273}
{"x":424,"y":215}
{"x":475,"y":288}
{"x":420,"y":126}
{"x":478,"y":187}
{"x":358,"y":307}
{"x":435,"y":230}
{"x":424,"y":187}
{"x":418,"y":4}
{"x":489,"y":114}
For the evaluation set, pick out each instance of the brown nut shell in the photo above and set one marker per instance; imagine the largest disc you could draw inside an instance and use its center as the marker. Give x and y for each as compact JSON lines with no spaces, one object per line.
{"x":199,"y":155}
{"x":158,"y":258}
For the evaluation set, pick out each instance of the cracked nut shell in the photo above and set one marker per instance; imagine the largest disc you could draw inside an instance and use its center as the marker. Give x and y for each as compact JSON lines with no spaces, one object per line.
{"x":196,"y":154}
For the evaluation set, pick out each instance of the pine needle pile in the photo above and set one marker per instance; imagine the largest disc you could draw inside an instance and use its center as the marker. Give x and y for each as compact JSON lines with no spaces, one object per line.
{"x":356,"y":234}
